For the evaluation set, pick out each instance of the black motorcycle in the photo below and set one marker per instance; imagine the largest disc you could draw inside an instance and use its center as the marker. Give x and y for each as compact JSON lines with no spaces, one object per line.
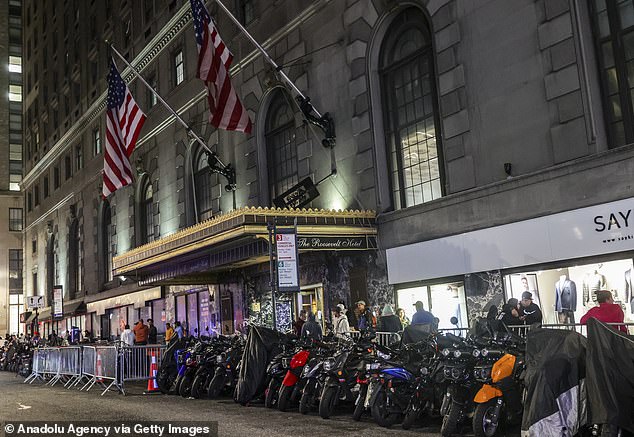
{"x":226,"y":375}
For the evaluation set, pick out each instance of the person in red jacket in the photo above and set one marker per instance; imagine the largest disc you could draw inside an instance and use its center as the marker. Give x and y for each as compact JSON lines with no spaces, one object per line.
{"x":607,"y":311}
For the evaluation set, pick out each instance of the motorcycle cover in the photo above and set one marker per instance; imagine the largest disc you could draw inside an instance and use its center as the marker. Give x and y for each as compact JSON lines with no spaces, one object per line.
{"x":555,"y":382}
{"x":261,"y":346}
{"x":610,"y":376}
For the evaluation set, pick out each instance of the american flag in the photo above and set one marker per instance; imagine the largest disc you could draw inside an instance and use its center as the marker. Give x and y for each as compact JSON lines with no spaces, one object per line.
{"x":214,"y":60}
{"x":124,"y":120}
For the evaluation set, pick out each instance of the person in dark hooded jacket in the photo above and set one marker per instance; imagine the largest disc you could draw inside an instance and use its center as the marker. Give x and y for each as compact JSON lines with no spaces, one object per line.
{"x":311,"y":329}
{"x":510,"y":314}
{"x":389,"y":322}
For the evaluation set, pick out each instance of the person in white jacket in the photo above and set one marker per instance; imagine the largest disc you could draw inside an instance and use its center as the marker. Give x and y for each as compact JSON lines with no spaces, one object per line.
{"x":127,"y":336}
{"x":342,"y":327}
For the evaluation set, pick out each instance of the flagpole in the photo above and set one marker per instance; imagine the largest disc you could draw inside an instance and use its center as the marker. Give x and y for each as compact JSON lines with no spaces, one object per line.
{"x":265,"y":54}
{"x":169,"y":108}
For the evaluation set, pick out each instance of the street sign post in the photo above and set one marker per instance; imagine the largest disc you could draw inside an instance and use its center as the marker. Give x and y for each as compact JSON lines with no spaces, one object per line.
{"x":287,"y":260}
{"x":35,"y":302}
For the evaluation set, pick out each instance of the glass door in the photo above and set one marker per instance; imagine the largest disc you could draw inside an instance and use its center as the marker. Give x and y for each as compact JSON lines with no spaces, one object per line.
{"x":311,"y":299}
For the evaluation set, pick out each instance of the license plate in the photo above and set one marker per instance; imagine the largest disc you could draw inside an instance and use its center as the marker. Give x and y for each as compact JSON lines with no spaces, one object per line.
{"x":372,"y":366}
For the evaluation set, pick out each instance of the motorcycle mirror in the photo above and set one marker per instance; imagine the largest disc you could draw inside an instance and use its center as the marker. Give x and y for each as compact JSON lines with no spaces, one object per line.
{"x":454,"y":321}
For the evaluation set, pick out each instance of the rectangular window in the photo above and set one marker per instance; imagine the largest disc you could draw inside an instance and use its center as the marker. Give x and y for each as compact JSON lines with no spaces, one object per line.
{"x":34,"y":246}
{"x":96,"y":140}
{"x":151,"y":97}
{"x":14,"y":182}
{"x":29,"y":202}
{"x":35,"y":293}
{"x":56,"y":180}
{"x":179,"y":68}
{"x":15,"y":271}
{"x":15,"y":64}
{"x":15,"y":219}
{"x":444,"y":301}
{"x":246,"y":11}
{"x":79,"y":157}
{"x":36,"y":193}
{"x":46,"y":192}
{"x":68,"y":167}
{"x":15,"y":93}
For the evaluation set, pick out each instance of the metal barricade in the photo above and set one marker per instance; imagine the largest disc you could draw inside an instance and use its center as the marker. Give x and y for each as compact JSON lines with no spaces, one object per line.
{"x":106,"y":369}
{"x":88,"y":366}
{"x":136,"y":362}
{"x":38,"y":355}
{"x":69,"y":365}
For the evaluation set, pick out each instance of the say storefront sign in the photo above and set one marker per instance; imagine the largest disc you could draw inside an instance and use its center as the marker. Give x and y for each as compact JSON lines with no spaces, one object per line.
{"x":332,"y":243}
{"x":287,"y":260}
{"x":586,"y":232}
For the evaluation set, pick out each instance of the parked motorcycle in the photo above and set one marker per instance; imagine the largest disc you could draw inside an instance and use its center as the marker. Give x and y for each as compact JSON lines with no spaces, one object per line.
{"x":226,"y":375}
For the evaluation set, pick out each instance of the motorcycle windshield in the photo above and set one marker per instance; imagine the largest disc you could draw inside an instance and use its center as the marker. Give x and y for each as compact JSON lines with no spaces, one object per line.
{"x":610,"y":376}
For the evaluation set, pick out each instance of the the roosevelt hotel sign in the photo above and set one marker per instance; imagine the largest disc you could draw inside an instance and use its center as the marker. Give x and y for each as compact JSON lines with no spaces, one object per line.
{"x":332,"y":243}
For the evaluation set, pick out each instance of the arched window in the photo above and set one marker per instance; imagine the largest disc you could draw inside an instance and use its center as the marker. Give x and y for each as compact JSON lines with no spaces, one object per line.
{"x":202,"y":182}
{"x":614,"y":36}
{"x":411,"y":111}
{"x":147,"y":213}
{"x":281,"y":145}
{"x":105,"y":243}
{"x":74,"y":271}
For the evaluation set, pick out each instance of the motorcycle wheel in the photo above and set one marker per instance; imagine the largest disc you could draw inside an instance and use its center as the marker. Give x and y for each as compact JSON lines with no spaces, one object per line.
{"x":270,"y":399}
{"x":198,"y":385}
{"x":284,"y":397}
{"x":176,"y":385}
{"x":164,"y":381}
{"x":411,"y":417}
{"x":380,"y":412}
{"x":216,"y":386}
{"x":359,"y":408}
{"x":451,"y":420}
{"x":327,"y":402}
{"x":305,"y":402}
{"x":185,"y":388}
{"x":483,"y":423}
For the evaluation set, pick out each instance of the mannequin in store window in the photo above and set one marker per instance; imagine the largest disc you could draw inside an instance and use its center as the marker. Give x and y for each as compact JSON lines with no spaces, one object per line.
{"x":565,"y":299}
{"x":592,"y":283}
{"x":629,"y":292}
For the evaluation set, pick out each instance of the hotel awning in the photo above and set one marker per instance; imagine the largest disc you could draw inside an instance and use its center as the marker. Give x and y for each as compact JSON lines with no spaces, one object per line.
{"x":239,"y":239}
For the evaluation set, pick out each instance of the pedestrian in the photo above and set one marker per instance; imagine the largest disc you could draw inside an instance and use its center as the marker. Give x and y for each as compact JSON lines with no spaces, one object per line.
{"x":341,"y":325}
{"x":530,"y":312}
{"x":52,"y":339}
{"x":141,"y":332}
{"x":311,"y":329}
{"x":606,"y":312}
{"x":402,"y":317}
{"x":510,"y":315}
{"x":422,"y":317}
{"x":36,"y":339}
{"x":152,"y":332}
{"x":127,"y":336}
{"x":301,"y":319}
{"x":178,"y":329}
{"x":367,"y":321}
{"x":389,"y":322}
{"x":353,"y":317}
{"x":169,"y":332}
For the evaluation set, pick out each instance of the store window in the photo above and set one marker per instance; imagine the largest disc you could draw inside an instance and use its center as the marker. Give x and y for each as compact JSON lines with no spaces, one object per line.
{"x":204,"y":319}
{"x":158,"y":315}
{"x":411,"y":111}
{"x":565,"y":294}
{"x":444,"y":301}
{"x":181,"y":310}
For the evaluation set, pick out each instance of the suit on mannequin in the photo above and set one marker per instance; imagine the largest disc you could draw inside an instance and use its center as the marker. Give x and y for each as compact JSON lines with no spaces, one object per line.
{"x":629,"y":291}
{"x":565,"y":299}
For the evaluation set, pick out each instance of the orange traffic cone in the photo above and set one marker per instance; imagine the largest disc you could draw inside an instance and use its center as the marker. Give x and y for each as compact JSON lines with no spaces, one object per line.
{"x":99,"y":368}
{"x":152,"y":385}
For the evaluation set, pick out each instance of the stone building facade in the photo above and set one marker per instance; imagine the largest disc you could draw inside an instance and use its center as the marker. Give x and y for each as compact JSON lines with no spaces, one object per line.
{"x":450,"y":117}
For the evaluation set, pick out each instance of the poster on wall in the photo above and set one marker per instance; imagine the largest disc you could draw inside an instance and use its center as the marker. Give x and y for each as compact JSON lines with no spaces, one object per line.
{"x":58,"y":302}
{"x":525,"y":282}
{"x":287,"y":258}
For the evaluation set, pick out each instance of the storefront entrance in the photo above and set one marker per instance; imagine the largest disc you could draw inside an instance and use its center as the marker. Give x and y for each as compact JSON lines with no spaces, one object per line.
{"x":442,"y":300}
{"x":311,"y":299}
{"x":226,"y":312}
{"x":576,"y":287}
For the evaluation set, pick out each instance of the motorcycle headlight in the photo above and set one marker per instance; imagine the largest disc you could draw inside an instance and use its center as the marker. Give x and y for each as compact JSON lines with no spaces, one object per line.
{"x":424,"y":371}
{"x":446,"y":352}
{"x":219,"y":359}
{"x":329,"y":364}
{"x":476,"y":353}
{"x":382,"y":355}
{"x":485,"y":352}
{"x":457,"y":354}
{"x":456,"y":372}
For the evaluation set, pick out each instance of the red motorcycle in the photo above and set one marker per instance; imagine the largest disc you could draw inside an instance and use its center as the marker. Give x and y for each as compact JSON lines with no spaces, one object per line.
{"x":287,"y":388}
